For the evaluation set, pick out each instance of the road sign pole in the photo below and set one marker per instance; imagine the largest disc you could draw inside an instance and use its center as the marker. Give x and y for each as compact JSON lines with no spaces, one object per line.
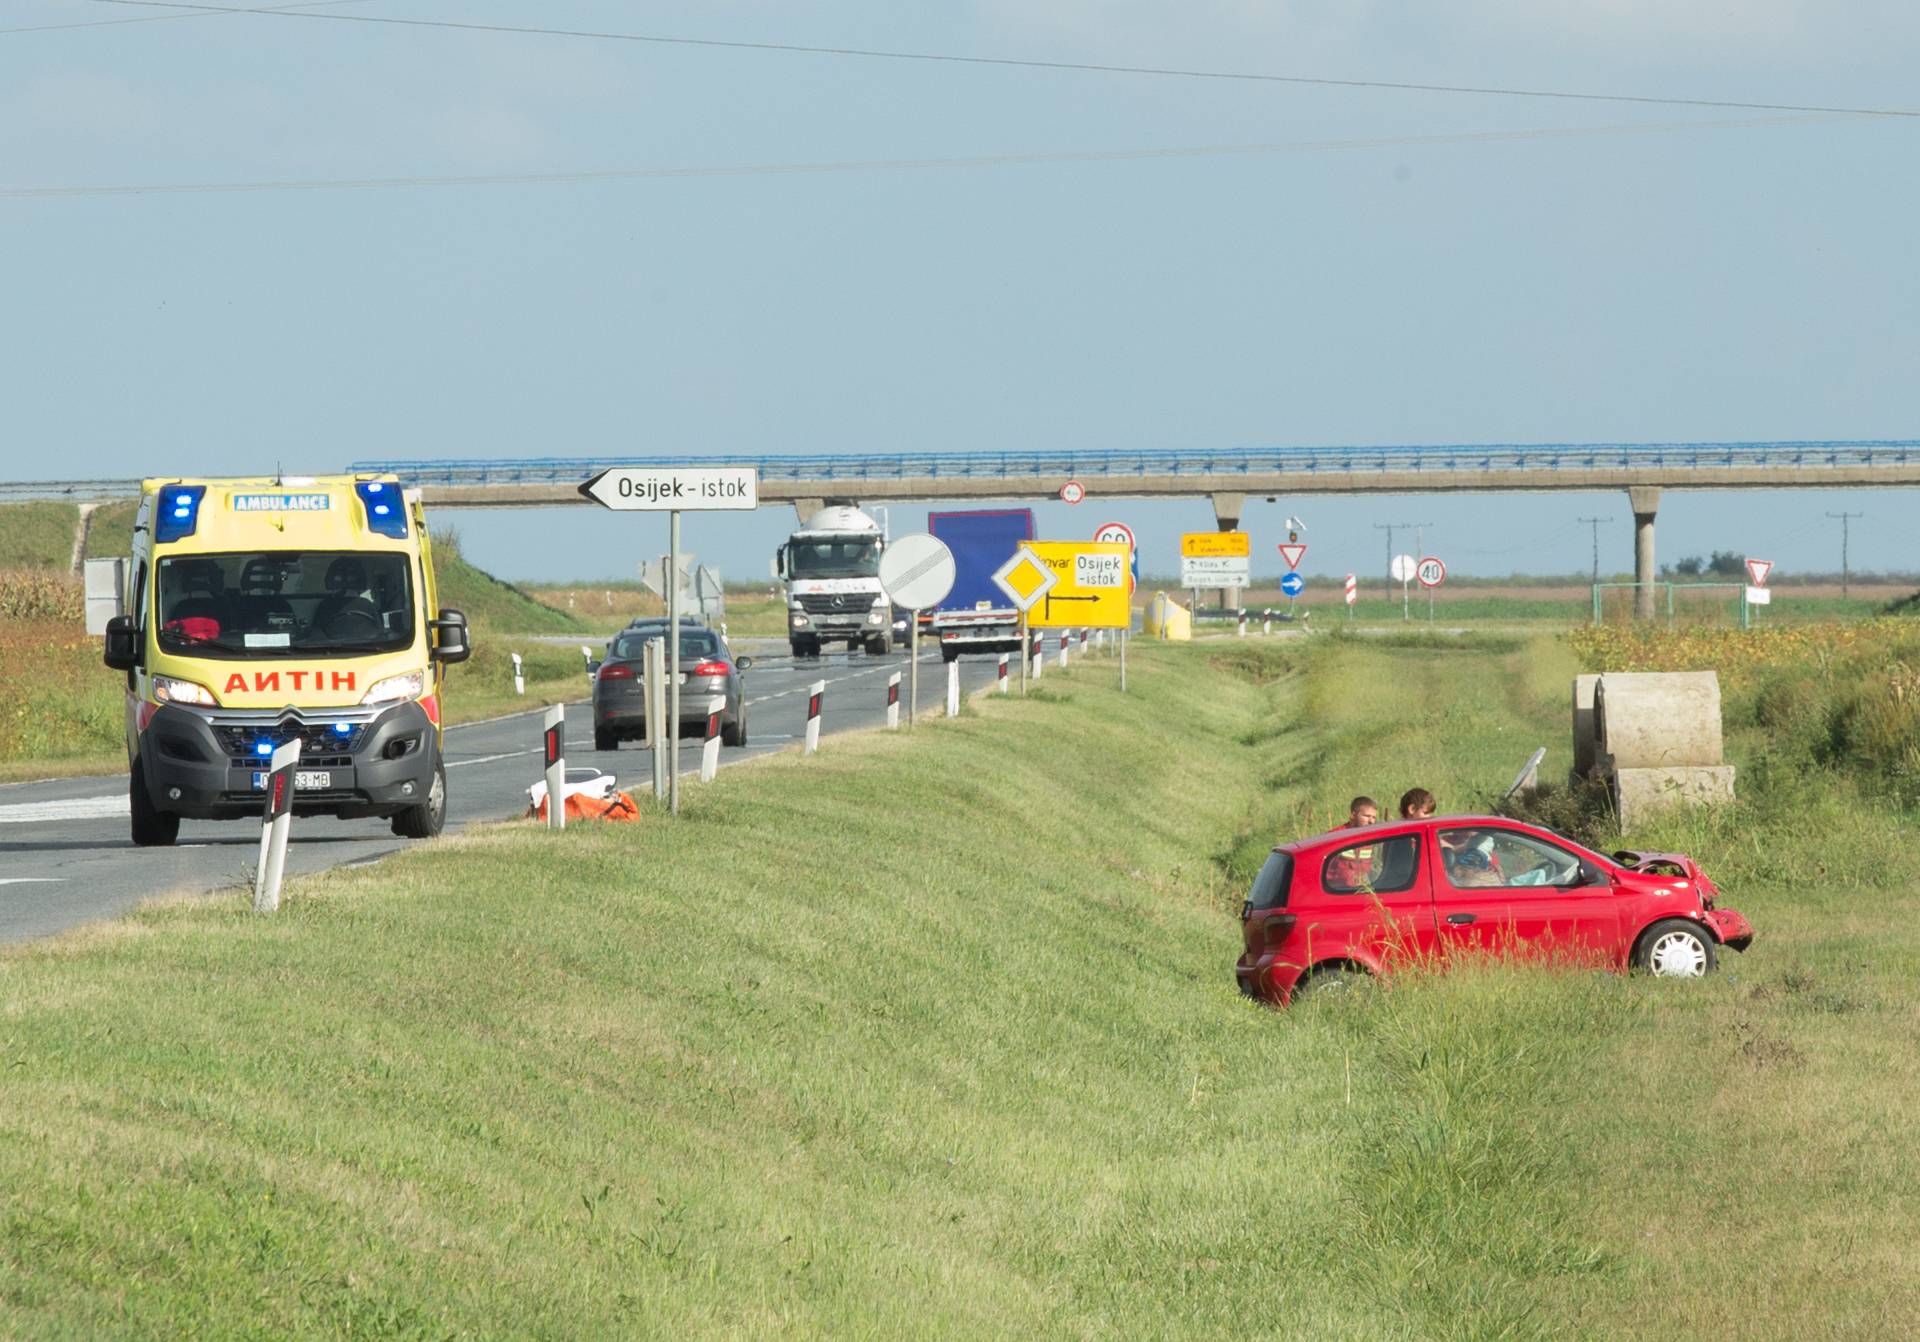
{"x":1023,"y":654}
{"x":1123,"y":661}
{"x":673,"y":662}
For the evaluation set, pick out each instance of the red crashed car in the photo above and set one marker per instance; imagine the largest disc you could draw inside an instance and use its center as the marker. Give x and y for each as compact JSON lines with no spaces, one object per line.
{"x":1359,"y":901}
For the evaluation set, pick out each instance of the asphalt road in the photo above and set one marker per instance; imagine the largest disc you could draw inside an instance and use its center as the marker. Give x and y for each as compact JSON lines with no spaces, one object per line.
{"x":66,"y":859}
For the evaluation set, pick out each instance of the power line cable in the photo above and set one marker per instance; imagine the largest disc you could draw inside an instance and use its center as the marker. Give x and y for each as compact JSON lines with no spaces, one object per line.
{"x":896,"y":164}
{"x":194,"y":13}
{"x":1009,"y":62}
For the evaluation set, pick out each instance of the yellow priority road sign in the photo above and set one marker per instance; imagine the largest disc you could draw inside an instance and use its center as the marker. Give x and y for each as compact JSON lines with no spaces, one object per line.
{"x":1090,"y":588}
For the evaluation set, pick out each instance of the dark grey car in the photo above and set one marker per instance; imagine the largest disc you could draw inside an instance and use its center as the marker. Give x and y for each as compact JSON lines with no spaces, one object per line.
{"x":707,"y":668}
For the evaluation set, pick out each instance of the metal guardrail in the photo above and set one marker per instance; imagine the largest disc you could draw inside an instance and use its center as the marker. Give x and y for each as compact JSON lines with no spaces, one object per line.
{"x":1438,"y":460}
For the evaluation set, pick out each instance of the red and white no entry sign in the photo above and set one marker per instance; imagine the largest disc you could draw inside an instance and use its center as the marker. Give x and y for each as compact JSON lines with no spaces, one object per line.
{"x":1072,"y":491}
{"x":1431,"y":572}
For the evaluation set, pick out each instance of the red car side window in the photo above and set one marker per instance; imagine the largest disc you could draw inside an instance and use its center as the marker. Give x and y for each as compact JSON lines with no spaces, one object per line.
{"x":1380,"y":866}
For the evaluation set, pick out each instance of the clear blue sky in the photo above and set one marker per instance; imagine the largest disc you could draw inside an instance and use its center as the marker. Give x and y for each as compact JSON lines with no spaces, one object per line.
{"x":1744,"y":282}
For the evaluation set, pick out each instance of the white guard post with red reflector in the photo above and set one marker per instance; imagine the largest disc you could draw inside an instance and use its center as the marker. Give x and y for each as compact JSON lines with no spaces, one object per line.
{"x":710,"y":750}
{"x":1039,"y":654}
{"x":274,"y":824}
{"x":893,"y":701}
{"x":1066,"y":639}
{"x":553,"y":742}
{"x":519,"y":679}
{"x":814,"y":693}
{"x":953,"y":689}
{"x":1243,"y":624}
{"x":1266,"y":622}
{"x":1000,"y":674}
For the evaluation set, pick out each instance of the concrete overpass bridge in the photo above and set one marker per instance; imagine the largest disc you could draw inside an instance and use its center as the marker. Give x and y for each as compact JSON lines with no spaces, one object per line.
{"x":1642,"y":470}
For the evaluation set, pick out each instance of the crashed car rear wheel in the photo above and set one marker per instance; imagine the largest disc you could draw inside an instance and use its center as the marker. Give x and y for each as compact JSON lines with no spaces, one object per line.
{"x":1675,"y":949}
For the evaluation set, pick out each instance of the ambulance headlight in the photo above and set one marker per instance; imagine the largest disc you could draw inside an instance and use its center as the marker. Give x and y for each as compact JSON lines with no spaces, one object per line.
{"x":167,"y":690}
{"x":394,"y":689}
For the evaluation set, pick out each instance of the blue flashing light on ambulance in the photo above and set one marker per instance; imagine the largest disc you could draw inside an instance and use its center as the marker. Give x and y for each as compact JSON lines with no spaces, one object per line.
{"x":252,"y":612}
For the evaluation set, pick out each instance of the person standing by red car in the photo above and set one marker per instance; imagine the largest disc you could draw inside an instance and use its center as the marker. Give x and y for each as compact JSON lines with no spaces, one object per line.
{"x":1353,"y":868}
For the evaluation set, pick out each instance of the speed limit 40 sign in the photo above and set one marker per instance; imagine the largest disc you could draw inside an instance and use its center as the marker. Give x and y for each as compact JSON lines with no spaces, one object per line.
{"x":1431,"y":572}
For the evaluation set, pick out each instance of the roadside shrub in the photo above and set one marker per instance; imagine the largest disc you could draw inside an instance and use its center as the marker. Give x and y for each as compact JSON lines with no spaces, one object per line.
{"x":41,"y":594}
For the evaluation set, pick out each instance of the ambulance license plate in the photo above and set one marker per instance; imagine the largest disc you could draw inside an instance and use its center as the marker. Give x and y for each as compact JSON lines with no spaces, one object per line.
{"x":304,"y":780}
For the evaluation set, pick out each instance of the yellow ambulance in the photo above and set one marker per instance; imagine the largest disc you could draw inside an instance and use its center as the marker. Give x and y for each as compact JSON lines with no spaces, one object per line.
{"x":258,"y":611}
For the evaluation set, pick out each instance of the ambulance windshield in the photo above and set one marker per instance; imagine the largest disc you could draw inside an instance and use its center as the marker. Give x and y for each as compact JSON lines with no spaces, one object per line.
{"x":281,"y":602}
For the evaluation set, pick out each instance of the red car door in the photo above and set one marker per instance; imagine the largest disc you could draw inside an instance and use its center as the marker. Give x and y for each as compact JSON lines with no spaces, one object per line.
{"x":1372,"y":900}
{"x":1505,"y":889}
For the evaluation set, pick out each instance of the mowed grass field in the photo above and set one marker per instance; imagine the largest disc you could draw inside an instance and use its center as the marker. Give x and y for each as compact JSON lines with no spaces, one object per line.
{"x":936,"y":1036}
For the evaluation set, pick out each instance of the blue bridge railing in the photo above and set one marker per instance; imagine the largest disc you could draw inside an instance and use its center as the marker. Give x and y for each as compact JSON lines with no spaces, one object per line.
{"x":1238,"y":461}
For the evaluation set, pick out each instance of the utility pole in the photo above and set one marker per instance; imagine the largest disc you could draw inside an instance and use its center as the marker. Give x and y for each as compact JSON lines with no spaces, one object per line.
{"x":1844,"y":519}
{"x":1595,"y":523}
{"x":1390,"y":528}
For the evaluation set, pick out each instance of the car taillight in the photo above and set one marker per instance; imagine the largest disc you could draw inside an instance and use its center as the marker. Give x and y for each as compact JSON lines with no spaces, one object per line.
{"x":710,"y":669}
{"x":1279,"y":926}
{"x":616,"y":671}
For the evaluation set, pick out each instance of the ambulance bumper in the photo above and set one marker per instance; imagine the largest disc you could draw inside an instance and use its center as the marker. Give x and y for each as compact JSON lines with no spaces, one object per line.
{"x":204,"y":764}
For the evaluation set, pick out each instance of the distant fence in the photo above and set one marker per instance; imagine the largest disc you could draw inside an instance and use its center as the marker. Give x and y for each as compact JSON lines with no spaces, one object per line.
{"x":1677,"y":603}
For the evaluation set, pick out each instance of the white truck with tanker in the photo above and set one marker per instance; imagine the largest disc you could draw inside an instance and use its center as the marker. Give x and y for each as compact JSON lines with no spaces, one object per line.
{"x":831,"y":567}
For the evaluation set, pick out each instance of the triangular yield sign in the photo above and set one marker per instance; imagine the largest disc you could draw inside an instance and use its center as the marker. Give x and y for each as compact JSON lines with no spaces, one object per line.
{"x":1758,"y":569}
{"x":1293,"y":554}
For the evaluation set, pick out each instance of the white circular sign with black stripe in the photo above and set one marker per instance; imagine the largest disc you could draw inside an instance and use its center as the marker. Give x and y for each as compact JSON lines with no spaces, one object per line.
{"x":917,"y":571}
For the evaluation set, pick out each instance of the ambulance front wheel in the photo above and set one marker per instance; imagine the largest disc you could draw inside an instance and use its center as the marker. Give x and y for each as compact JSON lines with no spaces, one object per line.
{"x":152,"y":827}
{"x":426,"y":820}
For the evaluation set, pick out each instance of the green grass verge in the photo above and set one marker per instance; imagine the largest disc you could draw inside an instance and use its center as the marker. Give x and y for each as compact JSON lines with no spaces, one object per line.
{"x":935,"y":1036}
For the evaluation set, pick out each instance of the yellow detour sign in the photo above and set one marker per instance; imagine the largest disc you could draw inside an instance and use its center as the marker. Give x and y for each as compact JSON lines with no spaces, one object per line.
{"x":1216,"y":545}
{"x":1090,"y":588}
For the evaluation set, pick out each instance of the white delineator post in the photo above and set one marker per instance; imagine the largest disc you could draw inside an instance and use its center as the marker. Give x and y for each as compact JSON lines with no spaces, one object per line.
{"x":553,"y":741}
{"x":1039,"y":654}
{"x":1000,"y":674}
{"x":1066,"y":640}
{"x":274,"y":824}
{"x":1266,"y":622}
{"x":1243,"y":624}
{"x":519,"y":679}
{"x":814,"y":693}
{"x":710,"y":751}
{"x":953,"y":689}
{"x":893,"y":702}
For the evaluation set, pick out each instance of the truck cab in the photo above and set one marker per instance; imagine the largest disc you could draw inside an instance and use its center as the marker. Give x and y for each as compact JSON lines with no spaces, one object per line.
{"x":257,"y":611}
{"x":831,"y":567}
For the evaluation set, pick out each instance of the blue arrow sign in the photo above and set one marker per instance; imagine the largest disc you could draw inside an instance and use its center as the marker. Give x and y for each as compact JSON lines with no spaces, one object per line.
{"x":1293,"y":584}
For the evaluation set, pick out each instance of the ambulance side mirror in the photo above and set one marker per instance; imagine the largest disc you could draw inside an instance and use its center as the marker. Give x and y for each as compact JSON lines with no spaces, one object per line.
{"x":122,"y":651}
{"x":450,"y":642}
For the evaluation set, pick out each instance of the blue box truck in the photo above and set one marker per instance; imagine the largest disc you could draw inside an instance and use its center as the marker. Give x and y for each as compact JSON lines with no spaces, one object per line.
{"x":976,"y":616}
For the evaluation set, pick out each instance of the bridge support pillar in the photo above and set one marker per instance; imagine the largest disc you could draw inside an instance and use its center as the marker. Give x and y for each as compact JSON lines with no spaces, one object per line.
{"x":1227,"y":509}
{"x":806,"y":508}
{"x":1645,"y":502}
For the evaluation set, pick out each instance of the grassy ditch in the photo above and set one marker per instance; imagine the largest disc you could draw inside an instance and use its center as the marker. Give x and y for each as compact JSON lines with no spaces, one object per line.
{"x":936,"y":1036}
